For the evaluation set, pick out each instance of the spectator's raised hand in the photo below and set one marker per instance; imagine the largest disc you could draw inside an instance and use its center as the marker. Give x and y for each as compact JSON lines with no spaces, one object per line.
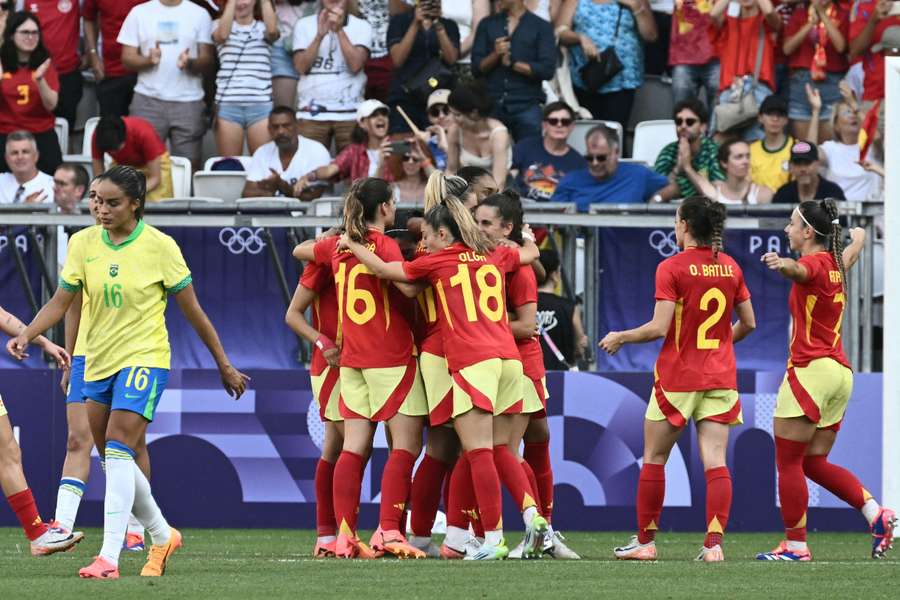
{"x":588,"y":47}
{"x":385,"y":149}
{"x":322,"y":23}
{"x":155,"y":54}
{"x":36,"y":198}
{"x":882,"y":9}
{"x":847,"y":93}
{"x":335,"y":19}
{"x":423,"y":17}
{"x":684,"y":154}
{"x":440,"y":133}
{"x":41,"y":70}
{"x":183,"y":59}
{"x":814,"y":98}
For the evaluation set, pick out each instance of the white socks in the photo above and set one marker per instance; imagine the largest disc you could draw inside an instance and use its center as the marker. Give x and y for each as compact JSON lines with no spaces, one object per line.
{"x":870,"y":510}
{"x":493,"y":538}
{"x":147,"y":511}
{"x":528,"y":515}
{"x":420,"y":542}
{"x":456,"y":538}
{"x":134,"y":526}
{"x":120,"y":494}
{"x":68,"y":498}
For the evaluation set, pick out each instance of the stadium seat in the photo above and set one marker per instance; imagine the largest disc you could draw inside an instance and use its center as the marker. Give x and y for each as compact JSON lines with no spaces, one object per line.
{"x":576,"y":138}
{"x":650,"y":137}
{"x":226,"y":185}
{"x":325,"y":207}
{"x":245,"y":160}
{"x":89,"y":126}
{"x":549,"y":207}
{"x":61,"y":127}
{"x":80,"y":159}
{"x":181,"y":176}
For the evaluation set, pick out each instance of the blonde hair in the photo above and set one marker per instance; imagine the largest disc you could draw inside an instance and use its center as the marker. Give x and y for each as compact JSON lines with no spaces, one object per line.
{"x":444,"y":209}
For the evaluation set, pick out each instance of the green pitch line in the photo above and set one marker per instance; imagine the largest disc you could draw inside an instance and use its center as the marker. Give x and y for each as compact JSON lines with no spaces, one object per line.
{"x":269,"y":564}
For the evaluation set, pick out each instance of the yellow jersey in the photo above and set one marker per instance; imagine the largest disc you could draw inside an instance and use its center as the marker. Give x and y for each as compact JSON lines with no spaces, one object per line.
{"x":125,"y":287}
{"x":85,"y":322}
{"x":770,"y":167}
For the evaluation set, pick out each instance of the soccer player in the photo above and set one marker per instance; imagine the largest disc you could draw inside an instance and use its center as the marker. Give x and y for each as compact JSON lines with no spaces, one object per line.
{"x":379,"y":375}
{"x":127,"y":269}
{"x":816,"y":388}
{"x":45,"y":539}
{"x":480,"y":350}
{"x":696,"y":292}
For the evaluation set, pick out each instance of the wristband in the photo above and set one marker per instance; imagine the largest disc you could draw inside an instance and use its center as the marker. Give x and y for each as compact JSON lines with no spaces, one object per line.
{"x":324,"y":344}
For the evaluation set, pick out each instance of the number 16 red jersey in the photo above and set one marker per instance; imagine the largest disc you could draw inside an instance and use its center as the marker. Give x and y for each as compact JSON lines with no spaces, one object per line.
{"x":698,"y":353}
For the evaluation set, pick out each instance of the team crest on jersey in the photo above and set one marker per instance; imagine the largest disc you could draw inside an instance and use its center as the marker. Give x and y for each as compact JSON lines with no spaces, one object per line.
{"x":113,"y":270}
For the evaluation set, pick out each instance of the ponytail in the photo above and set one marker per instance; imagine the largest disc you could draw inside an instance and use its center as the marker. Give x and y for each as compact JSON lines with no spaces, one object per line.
{"x":471,"y":234}
{"x":439,"y":186}
{"x":361,"y":202}
{"x":705,"y":219}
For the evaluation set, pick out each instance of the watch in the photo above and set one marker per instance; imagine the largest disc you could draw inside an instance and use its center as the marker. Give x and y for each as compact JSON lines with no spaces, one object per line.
{"x":656,"y":199}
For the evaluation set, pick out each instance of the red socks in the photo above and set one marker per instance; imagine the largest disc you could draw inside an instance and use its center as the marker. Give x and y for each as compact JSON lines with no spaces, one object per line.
{"x":718,"y":504}
{"x":537,"y":455}
{"x":532,"y":484}
{"x":325,"y":524}
{"x":650,"y":495}
{"x":395,"y":485}
{"x":426,"y":494}
{"x":487,"y":487}
{"x":22,"y":503}
{"x":792,"y":490}
{"x":837,"y":480}
{"x":348,"y":472}
{"x":513,"y":477}
{"x":461,"y":506}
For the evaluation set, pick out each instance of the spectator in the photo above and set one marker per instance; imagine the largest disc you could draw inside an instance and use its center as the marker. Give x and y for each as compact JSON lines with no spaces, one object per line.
{"x":541,"y":162}
{"x":558,"y":319}
{"x":594,"y":25}
{"x":841,"y":157}
{"x":133,"y":141}
{"x":24,"y":183}
{"x":61,"y":24}
{"x":693,"y":156}
{"x":806,"y":183}
{"x":168,"y":44}
{"x":737,"y":40}
{"x":435,"y":136}
{"x":410,"y":168}
{"x":114,"y":84}
{"x":737,"y":188}
{"x":330,"y":52}
{"x":467,"y":14}
{"x":70,"y":182}
{"x":815,"y":43}
{"x":284,"y":75}
{"x":514,"y":51}
{"x":379,"y":68}
{"x":769,"y":156}
{"x":29,"y":88}
{"x":481,"y":185}
{"x":474,"y":138}
{"x":874,"y":33}
{"x":693,"y":58}
{"x":548,"y":10}
{"x":420,"y":42}
{"x":278,"y":166}
{"x":606,"y":179}
{"x":244,"y":79}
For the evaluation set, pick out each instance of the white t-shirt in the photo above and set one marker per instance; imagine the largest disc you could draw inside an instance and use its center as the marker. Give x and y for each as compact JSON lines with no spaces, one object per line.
{"x":245,"y":65}
{"x":9,"y":188}
{"x":375,"y":13}
{"x":857,"y":183}
{"x":330,"y":92}
{"x":174,"y":28}
{"x":310,"y":155}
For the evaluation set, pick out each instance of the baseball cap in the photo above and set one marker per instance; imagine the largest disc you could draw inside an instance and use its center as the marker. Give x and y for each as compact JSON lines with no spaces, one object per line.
{"x":890,"y":40}
{"x":438,"y":97}
{"x":366,"y":109}
{"x":803,"y":151}
{"x":773,"y":104}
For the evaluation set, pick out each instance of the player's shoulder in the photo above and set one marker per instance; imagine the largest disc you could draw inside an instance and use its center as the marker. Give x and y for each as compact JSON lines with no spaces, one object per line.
{"x":86,"y":235}
{"x":155,"y":235}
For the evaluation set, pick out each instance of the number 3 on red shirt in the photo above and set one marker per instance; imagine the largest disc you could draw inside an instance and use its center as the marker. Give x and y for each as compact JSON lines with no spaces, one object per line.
{"x":703,"y":342}
{"x":24,"y":94}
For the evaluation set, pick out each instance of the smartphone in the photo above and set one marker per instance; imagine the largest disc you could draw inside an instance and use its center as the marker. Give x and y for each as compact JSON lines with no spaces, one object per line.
{"x":734,"y":10}
{"x":400,"y":149}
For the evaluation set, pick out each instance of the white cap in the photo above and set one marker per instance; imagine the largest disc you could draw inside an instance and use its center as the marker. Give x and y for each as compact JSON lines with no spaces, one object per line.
{"x":366,"y":109}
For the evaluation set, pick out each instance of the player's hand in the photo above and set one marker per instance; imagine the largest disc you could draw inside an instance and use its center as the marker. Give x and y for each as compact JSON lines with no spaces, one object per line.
{"x":155,"y":55}
{"x":64,"y":380}
{"x":330,"y":232}
{"x":772,"y":260}
{"x":58,"y":354}
{"x":506,"y":242}
{"x":183,"y":59}
{"x":234,"y":382}
{"x":16,"y":347}
{"x":857,"y":235}
{"x":611,"y":342}
{"x":344,"y":242}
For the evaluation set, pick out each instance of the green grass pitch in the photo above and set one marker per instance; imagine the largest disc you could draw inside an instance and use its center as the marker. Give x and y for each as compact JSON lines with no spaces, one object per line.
{"x":268,"y":564}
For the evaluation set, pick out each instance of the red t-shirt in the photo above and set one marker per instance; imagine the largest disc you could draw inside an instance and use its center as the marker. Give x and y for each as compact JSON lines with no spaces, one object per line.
{"x":318,"y":278}
{"x":142,"y":144}
{"x":521,"y":289}
{"x":430,"y":339}
{"x":698,"y":353}
{"x":873,"y":62}
{"x":353,"y":163}
{"x":471,"y":291}
{"x":21,"y":106}
{"x":689,"y":43}
{"x":111,"y":14}
{"x":736,"y":42}
{"x":802,"y":58}
{"x":372,"y":314}
{"x":60,"y":30}
{"x":817,"y":307}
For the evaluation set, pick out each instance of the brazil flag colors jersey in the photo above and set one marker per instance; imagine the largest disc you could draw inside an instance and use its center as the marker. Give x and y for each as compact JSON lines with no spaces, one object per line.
{"x":521,"y":290}
{"x":318,"y":278}
{"x":126,"y":287}
{"x":817,"y":308}
{"x":84,"y":323}
{"x":698,"y":352}
{"x":471,"y":292}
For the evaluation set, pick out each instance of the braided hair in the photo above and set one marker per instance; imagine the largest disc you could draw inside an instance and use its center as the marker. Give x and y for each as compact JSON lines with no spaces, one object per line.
{"x":706,"y":221}
{"x":361,"y":203}
{"x":823,"y":217}
{"x":132,"y":182}
{"x":509,"y":206}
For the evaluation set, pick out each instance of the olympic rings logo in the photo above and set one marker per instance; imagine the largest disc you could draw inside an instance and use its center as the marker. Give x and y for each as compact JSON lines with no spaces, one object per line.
{"x":242,"y":239}
{"x":664,"y":243}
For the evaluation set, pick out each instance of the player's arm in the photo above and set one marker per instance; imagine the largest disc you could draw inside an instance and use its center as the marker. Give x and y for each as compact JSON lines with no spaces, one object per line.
{"x":746,"y":322}
{"x":49,"y":315}
{"x":392,"y":271}
{"x":788,"y":267}
{"x":304,"y":251}
{"x":410,"y":290}
{"x":523,"y":321}
{"x":528,"y":251}
{"x":854,"y":248}
{"x":295,"y":319}
{"x":653,"y":329}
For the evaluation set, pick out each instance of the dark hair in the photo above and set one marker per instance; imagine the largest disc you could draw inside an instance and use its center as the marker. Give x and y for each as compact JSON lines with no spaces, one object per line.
{"x":132,"y":183}
{"x":610,"y":134}
{"x":80,"y":173}
{"x":823,"y":217}
{"x":509,"y":207}
{"x":558,"y":105}
{"x":471,"y":96}
{"x":472,"y":173}
{"x":706,"y":221}
{"x":695,"y":106}
{"x":281,"y":109}
{"x":361,"y":203}
{"x":550,"y":260}
{"x":724,"y":151}
{"x":110,"y":133}
{"x":9,"y":57}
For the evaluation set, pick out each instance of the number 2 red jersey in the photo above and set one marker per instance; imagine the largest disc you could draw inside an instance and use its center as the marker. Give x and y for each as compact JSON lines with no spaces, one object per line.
{"x":817,"y":307}
{"x":521,"y":290}
{"x":317,"y":277}
{"x":698,"y":352}
{"x":471,"y":291}
{"x":373,"y":329}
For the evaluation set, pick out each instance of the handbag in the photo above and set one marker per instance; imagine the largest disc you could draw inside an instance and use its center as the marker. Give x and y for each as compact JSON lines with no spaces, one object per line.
{"x":598,"y":71}
{"x":742,"y":108}
{"x":434,"y":75}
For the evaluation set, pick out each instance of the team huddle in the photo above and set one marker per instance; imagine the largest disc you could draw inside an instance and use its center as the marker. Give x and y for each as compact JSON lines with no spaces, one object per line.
{"x":433,"y":333}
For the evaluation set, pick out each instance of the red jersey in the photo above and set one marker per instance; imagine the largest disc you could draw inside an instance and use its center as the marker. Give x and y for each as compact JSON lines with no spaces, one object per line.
{"x":736,"y":42}
{"x":60,"y":30}
{"x":698,"y":353}
{"x":142,"y":144}
{"x":817,"y":307}
{"x":20,"y":101}
{"x":372,"y":313}
{"x":431,"y":340}
{"x":522,"y":289}
{"x":471,"y":290}
{"x":873,"y":62}
{"x":111,"y":15}
{"x":802,"y":58}
{"x":318,"y":278}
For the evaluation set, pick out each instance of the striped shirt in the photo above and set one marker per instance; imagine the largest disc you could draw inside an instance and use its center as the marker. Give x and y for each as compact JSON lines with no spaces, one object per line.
{"x":245,"y":68}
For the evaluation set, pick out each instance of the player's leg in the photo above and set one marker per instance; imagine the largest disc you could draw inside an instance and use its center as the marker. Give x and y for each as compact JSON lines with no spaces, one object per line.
{"x":326,"y":526}
{"x":462,"y":508}
{"x":441,"y":451}
{"x":537,"y":455}
{"x":77,"y":464}
{"x":508,"y":432}
{"x":713,"y":441}
{"x":396,"y":484}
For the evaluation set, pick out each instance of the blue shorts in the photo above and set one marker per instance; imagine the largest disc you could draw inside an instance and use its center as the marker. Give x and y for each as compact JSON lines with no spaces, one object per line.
{"x":136,"y":389}
{"x":282,"y":63}
{"x":244,"y":115}
{"x":76,"y":381}
{"x":829,"y":89}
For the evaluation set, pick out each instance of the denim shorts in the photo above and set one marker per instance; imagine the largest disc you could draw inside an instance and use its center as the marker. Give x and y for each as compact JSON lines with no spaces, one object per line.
{"x":829,"y":90}
{"x":244,"y":115}
{"x":282,"y":63}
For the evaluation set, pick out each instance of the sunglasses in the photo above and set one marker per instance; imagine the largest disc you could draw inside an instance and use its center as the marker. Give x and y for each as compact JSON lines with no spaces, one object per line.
{"x":380,"y":112}
{"x":409,"y":158}
{"x":688,"y":122}
{"x":592,"y":158}
{"x":437,"y":110}
{"x":558,"y":122}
